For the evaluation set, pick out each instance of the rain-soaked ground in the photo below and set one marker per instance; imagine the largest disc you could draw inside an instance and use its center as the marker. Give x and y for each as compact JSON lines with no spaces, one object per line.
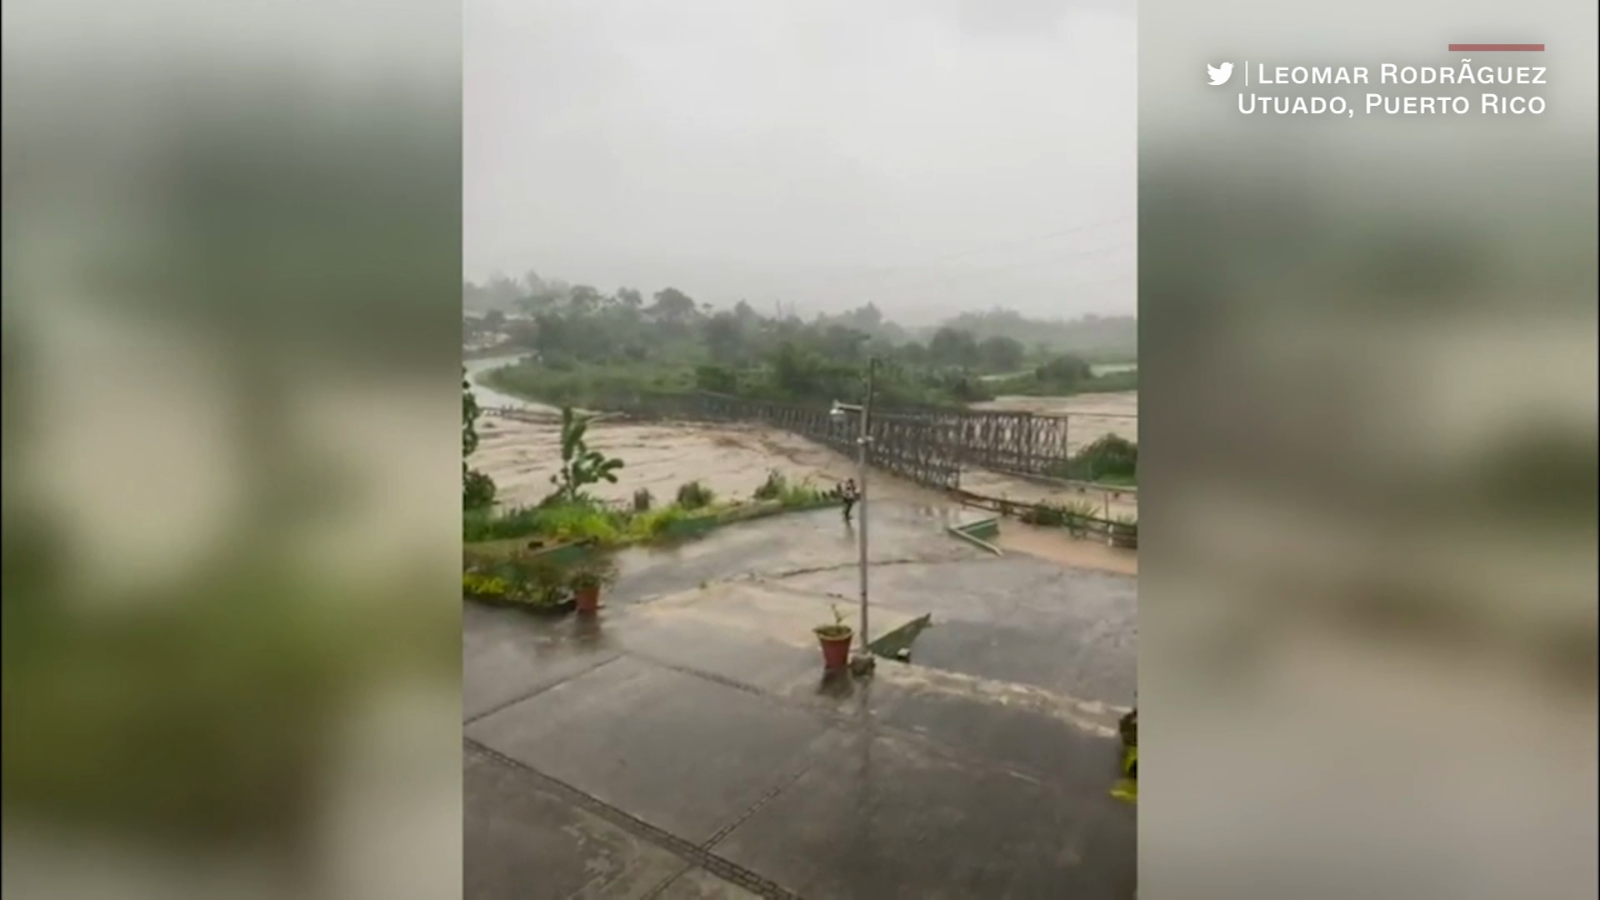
{"x":685,"y":744}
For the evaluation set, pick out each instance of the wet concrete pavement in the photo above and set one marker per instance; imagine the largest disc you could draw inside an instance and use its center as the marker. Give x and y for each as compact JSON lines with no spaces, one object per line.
{"x":1016,"y":618}
{"x":686,"y":745}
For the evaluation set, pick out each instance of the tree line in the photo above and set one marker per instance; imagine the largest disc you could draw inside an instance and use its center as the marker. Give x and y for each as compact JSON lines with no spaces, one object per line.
{"x":585,"y":346}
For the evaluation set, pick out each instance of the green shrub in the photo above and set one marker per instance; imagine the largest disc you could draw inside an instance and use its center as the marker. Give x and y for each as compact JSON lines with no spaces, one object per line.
{"x":478,"y":585}
{"x":477,"y":490}
{"x":716,"y":380}
{"x":475,"y":525}
{"x":654,"y":524}
{"x":804,"y":493}
{"x":1111,"y":456}
{"x":1041,"y":383}
{"x":694,"y":495}
{"x":490,"y":525}
{"x":522,"y":579}
{"x":556,"y":521}
{"x":1112,"y":459}
{"x":774,"y":487}
{"x":1068,"y":514}
{"x":621,"y":384}
{"x":596,"y":572}
{"x":580,"y":466}
{"x":1066,"y":371}
{"x":581,"y":521}
{"x":789,"y":493}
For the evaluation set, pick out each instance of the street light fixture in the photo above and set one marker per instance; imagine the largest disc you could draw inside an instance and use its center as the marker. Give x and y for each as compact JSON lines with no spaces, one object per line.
{"x":839,"y":411}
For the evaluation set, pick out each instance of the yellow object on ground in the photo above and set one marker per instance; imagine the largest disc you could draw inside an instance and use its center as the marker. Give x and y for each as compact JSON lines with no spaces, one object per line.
{"x":1128,"y":787}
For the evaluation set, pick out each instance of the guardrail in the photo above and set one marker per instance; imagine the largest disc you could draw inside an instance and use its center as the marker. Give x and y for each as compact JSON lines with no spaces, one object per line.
{"x":1116,"y":533}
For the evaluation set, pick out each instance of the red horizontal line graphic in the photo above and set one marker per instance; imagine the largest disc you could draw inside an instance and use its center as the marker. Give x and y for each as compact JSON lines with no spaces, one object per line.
{"x":1496,"y":48}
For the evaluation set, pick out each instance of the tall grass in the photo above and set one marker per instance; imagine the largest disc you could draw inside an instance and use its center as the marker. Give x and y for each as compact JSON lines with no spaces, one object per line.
{"x":562,"y":522}
{"x":590,"y":521}
{"x":789,"y":493}
{"x":582,"y":521}
{"x":655,"y":523}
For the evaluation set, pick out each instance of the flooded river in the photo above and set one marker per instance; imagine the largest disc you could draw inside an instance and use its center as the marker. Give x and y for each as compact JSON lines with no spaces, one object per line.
{"x":489,"y":398}
{"x":1090,"y":416}
{"x":733,"y":460}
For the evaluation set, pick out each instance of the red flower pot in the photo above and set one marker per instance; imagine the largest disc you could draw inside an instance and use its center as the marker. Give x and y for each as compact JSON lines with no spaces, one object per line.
{"x":835,"y":647}
{"x":588,"y":599}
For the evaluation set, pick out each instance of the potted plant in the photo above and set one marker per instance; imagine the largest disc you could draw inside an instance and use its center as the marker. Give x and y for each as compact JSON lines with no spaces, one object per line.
{"x":835,"y":639}
{"x":587,"y":580}
{"x":1127,"y":788}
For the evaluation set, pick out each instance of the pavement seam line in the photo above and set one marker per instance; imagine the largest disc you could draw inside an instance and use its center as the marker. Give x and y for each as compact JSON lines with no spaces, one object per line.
{"x":708,"y":676}
{"x":639,"y":828}
{"x":467,"y":723}
{"x":761,"y":802}
{"x":813,"y":570}
{"x":661,"y":888}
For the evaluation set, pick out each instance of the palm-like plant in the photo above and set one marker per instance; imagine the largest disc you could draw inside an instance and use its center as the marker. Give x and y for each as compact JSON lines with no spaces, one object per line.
{"x":580,"y":466}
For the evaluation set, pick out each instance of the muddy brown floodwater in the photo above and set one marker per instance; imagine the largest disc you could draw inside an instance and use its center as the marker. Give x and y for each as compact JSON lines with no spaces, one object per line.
{"x":733,"y":460}
{"x":1089,"y":416}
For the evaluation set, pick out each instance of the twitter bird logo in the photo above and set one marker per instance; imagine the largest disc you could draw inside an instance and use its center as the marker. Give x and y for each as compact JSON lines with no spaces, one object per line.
{"x":1220,"y":74}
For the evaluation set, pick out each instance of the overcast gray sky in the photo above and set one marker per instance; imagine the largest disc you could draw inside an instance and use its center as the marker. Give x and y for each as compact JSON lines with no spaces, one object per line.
{"x":927,"y":155}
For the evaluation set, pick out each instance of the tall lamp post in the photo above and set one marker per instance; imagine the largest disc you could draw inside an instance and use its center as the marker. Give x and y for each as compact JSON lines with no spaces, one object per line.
{"x":863,"y":442}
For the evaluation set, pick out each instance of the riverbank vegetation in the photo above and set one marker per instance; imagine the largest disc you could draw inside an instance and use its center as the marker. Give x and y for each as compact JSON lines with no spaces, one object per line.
{"x":593,"y":350}
{"x":586,"y":520}
{"x":1063,"y":376}
{"x":534,"y":582}
{"x":1110,"y":460}
{"x":571,"y":514}
{"x":509,"y":558}
{"x":477,"y":489}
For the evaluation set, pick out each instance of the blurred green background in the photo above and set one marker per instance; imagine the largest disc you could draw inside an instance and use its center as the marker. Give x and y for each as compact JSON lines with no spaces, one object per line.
{"x":1367,"y":605}
{"x":231,"y":522}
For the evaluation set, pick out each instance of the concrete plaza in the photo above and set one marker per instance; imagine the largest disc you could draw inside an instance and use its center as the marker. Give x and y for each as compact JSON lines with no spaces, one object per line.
{"x":685,"y":743}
